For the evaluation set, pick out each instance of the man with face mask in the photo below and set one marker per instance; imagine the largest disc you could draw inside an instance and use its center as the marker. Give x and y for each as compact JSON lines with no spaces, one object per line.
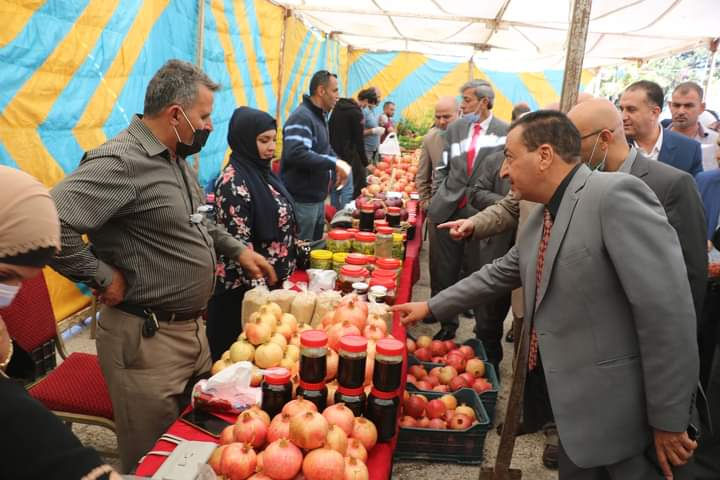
{"x":151,"y":257}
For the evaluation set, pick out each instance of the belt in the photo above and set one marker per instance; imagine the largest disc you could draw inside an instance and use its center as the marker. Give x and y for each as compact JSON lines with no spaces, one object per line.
{"x":161,"y":315}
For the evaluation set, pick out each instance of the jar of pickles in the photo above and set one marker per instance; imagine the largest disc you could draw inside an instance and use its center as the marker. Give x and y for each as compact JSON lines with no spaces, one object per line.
{"x":339,"y":241}
{"x":313,"y":356}
{"x":349,"y":275}
{"x":321,"y":259}
{"x":276,"y":390}
{"x":388,"y":364}
{"x":351,"y":364}
{"x":384,"y":242}
{"x":353,"y":398}
{"x":390,"y":288}
{"x":398,"y":250}
{"x":367,"y":218}
{"x":393,"y":217}
{"x":364,"y":243}
{"x":339,"y":261}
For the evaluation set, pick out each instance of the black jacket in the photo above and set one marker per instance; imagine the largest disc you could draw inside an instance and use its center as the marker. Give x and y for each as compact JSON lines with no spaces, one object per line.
{"x":346,"y":138}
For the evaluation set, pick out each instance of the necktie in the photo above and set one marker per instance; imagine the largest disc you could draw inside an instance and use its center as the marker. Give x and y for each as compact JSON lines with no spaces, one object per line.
{"x":477,"y":128}
{"x":547,"y":226}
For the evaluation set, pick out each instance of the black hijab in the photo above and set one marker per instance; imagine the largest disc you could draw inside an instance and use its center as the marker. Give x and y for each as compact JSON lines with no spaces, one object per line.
{"x":245,"y":125}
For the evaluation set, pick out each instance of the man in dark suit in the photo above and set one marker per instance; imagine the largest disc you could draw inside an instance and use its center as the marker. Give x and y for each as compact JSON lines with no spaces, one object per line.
{"x":598,"y":330}
{"x":641,"y":104}
{"x":467,"y":141}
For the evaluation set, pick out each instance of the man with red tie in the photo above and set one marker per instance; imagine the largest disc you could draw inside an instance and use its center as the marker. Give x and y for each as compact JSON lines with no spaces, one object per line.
{"x":467,"y":142}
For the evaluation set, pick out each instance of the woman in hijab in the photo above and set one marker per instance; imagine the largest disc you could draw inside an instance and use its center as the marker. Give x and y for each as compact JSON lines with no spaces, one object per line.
{"x":255,"y":207}
{"x":35,"y":443}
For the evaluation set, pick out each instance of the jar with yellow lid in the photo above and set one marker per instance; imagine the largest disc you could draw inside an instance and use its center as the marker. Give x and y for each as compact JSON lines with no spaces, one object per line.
{"x":321,"y":259}
{"x":338,"y":260}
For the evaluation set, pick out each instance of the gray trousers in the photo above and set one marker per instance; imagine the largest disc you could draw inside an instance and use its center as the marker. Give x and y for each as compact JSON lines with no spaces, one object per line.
{"x":147,"y":377}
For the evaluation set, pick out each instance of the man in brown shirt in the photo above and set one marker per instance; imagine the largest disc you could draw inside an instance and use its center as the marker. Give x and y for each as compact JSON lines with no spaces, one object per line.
{"x":151,"y":257}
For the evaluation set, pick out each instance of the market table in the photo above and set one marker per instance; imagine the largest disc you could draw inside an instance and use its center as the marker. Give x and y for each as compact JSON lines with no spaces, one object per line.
{"x":380,"y":457}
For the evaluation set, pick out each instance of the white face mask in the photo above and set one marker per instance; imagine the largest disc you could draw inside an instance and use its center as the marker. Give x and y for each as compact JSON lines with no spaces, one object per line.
{"x":600,"y":166}
{"x":7,"y":294}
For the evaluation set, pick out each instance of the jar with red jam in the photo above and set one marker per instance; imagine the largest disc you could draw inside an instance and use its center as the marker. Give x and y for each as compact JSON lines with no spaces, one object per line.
{"x":393,"y":217}
{"x":367,"y":218}
{"x":382,"y":410}
{"x":313,"y":356}
{"x":388,"y":364}
{"x":276,"y":390}
{"x":353,"y":398}
{"x":350,"y":275}
{"x":352,"y":354}
{"x":316,"y":393}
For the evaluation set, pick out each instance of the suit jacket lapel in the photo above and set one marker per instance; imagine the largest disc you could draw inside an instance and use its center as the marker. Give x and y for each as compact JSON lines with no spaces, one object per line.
{"x":640,"y":166}
{"x":560,"y":226}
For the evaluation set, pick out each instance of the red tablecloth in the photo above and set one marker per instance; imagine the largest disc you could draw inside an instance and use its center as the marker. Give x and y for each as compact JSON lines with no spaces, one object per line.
{"x":380,"y":457}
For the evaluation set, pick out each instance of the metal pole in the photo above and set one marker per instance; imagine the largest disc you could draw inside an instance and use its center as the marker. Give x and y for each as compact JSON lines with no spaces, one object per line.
{"x":470,"y":68}
{"x":281,"y":63}
{"x":711,"y":68}
{"x":199,"y":50}
{"x":575,"y":53}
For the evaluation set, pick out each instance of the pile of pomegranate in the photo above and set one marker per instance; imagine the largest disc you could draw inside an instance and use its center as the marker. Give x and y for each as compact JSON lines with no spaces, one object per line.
{"x":299,"y":443}
{"x":440,"y":414}
{"x":462,"y":369}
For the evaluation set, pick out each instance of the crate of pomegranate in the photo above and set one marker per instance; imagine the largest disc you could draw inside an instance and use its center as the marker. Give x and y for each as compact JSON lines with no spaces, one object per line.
{"x":443,"y":427}
{"x":425,"y":349}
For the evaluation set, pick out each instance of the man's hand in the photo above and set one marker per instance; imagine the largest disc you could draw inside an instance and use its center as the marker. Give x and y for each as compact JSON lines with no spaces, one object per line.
{"x":412,"y":312}
{"x":459,"y":229}
{"x":673,"y":448}
{"x":342,"y":170}
{"x":256,"y":266}
{"x":115,"y":292}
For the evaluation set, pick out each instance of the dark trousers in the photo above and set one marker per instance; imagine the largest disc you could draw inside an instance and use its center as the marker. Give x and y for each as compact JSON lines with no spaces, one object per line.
{"x":537,"y":411}
{"x":489,"y":320}
{"x":224,"y":323}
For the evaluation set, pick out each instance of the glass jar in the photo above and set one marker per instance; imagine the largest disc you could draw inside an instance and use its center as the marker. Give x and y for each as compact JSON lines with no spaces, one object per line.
{"x":361,"y":290}
{"x":382,"y":410}
{"x":393,"y":217}
{"x":390,"y":292}
{"x":276,"y":390}
{"x":357,"y":259}
{"x":350,"y":274}
{"x":380,"y":223}
{"x":383,"y":243}
{"x":370,"y":263}
{"x":321,"y":259}
{"x":390,"y":264}
{"x":351,"y":364}
{"x":313,"y":356}
{"x":398,"y":246}
{"x":364,"y":243}
{"x":317,"y":393}
{"x":353,"y":398}
{"x":339,"y":261}
{"x":388,"y":364}
{"x":339,"y":241}
{"x":367,"y":218}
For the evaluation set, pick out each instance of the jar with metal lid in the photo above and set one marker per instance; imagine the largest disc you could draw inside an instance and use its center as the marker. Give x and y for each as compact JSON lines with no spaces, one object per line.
{"x":383,"y":243}
{"x":367,"y":218}
{"x":313,"y":356}
{"x":393,"y":217}
{"x":353,"y":398}
{"x":398,"y":246}
{"x":388,"y":364}
{"x":361,"y":290}
{"x":382,"y":410}
{"x":321,"y":259}
{"x":350,"y":274}
{"x":351,"y":363}
{"x":388,"y":295}
{"x":364,"y":243}
{"x":276,"y":390}
{"x":339,"y":261}
{"x":317,"y":393}
{"x":339,"y":241}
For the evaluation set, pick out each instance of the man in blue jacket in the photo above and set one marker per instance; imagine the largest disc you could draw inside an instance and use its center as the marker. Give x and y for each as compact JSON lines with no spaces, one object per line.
{"x":307,"y":157}
{"x":641,"y":104}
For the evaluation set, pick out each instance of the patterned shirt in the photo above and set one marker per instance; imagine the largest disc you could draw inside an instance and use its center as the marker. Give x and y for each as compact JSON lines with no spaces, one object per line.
{"x":233,"y":205}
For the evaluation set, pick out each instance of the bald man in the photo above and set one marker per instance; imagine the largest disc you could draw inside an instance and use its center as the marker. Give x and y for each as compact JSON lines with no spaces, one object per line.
{"x":446,"y":112}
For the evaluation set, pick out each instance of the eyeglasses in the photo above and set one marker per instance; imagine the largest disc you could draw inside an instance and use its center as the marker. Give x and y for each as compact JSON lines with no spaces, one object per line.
{"x":596,"y":132}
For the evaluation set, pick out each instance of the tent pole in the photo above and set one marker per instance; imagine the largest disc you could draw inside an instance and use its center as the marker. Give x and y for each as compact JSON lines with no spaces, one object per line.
{"x":711,"y":67}
{"x":200,"y":49}
{"x":470,"y":68}
{"x":281,"y":63}
{"x":575,"y":53}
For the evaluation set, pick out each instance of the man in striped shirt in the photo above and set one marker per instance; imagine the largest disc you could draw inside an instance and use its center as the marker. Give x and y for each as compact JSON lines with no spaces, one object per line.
{"x":151,"y":257}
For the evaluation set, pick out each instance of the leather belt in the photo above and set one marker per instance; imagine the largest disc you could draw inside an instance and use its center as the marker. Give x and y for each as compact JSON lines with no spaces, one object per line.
{"x":161,"y":315}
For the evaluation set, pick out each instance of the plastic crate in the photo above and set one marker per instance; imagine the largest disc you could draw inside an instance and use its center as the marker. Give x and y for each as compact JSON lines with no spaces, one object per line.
{"x":476,"y":345}
{"x":489,"y":397}
{"x":458,"y":446}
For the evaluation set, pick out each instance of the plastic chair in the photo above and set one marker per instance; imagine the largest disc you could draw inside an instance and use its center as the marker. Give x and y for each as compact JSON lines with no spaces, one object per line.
{"x":75,"y":390}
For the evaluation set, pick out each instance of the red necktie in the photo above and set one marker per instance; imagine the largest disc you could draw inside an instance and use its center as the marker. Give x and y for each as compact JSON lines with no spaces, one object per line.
{"x":547,"y":226}
{"x":477,"y":128}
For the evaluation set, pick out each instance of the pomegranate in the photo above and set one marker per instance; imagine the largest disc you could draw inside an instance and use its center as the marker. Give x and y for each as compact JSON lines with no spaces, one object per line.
{"x":308,"y":430}
{"x":341,"y":416}
{"x":238,"y":461}
{"x":259,"y":466}
{"x":457,"y":383}
{"x":336,"y":439}
{"x":440,"y":360}
{"x":437,"y":348}
{"x":373,"y":332}
{"x":352,"y":311}
{"x":282,"y":460}
{"x":455,"y":360}
{"x":410,"y":378}
{"x":328,"y":319}
{"x":468,"y":377}
{"x":280,"y":339}
{"x":241,"y":351}
{"x":298,"y":405}
{"x":435,"y":409}
{"x":214,"y":460}
{"x":323,"y":464}
{"x":408,"y":421}
{"x":450,"y":401}
{"x":355,"y":470}
{"x":331,"y":359}
{"x":467,"y":351}
{"x":290,"y":320}
{"x":356,"y":449}
{"x":466,"y":410}
{"x":423,"y":341}
{"x":252,"y":430}
{"x":256,"y":377}
{"x":339,"y":330}
{"x":423,"y":422}
{"x":432,"y":381}
{"x":365,"y":431}
{"x":279,"y":427}
{"x":228,"y":435}
{"x":417,"y":371}
{"x":284,"y":329}
{"x":378,"y":322}
{"x":415,"y":406}
{"x":435,"y":371}
{"x":423,"y":385}
{"x":450,"y":345}
{"x":268,"y":355}
{"x":273,"y":308}
{"x":460,"y":422}
{"x":438,"y":424}
{"x":475,"y":367}
{"x":446,"y":374}
{"x":441,"y":388}
{"x":260,"y":476}
{"x":423,"y":354}
{"x":257,"y":332}
{"x":481,"y":385}
{"x":259,"y":413}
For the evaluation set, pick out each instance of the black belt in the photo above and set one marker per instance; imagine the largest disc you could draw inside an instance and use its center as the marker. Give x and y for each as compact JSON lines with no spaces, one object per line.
{"x":161,"y":315}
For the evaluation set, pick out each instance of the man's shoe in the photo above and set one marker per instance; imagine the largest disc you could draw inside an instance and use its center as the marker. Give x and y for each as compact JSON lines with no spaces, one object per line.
{"x":510,"y":338}
{"x":445,"y":333}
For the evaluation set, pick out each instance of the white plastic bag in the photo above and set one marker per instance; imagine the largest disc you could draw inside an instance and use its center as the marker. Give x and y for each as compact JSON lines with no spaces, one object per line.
{"x":230,"y":387}
{"x":390,"y":146}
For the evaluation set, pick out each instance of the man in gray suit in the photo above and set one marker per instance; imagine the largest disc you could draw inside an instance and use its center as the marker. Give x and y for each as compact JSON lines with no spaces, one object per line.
{"x":463,"y":154}
{"x":608,"y":307}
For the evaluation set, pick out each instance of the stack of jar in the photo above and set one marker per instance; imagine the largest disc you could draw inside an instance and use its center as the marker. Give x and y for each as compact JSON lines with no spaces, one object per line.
{"x":313,"y":367}
{"x":384,"y":399}
{"x":351,"y":373}
{"x":384,"y":242}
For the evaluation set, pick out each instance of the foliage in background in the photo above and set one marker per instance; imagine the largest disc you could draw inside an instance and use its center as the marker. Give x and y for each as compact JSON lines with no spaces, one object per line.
{"x":411,"y":132}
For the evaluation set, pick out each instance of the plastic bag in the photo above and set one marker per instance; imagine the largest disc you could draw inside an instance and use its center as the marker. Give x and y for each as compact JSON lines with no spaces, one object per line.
{"x":303,"y":306}
{"x":321,"y":280}
{"x":283,"y":297}
{"x":227,"y":391}
{"x":390,"y":146}
{"x":326,"y":302}
{"x":253,"y":300}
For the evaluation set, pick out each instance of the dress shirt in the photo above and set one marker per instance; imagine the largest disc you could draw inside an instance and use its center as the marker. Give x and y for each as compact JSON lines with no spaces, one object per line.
{"x":652,"y":155}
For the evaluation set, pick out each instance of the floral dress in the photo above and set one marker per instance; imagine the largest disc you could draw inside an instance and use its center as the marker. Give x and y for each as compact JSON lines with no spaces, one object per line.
{"x":232,"y":205}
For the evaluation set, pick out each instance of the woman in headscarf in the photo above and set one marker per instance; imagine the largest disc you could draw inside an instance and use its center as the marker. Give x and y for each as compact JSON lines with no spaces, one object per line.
{"x":34,"y":443}
{"x":254,"y":206}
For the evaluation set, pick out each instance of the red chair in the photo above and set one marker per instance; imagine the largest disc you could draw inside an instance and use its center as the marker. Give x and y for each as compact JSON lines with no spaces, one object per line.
{"x":75,"y":390}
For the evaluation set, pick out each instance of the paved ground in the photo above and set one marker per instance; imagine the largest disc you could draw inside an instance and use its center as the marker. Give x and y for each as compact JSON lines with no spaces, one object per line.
{"x":528,"y":449}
